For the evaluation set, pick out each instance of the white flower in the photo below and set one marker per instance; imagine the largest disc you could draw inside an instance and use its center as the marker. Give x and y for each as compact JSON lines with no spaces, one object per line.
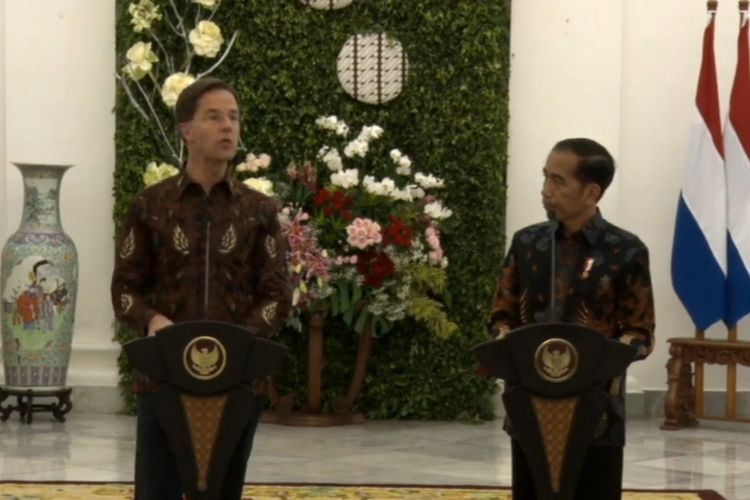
{"x":209,"y":4}
{"x":404,"y":166}
{"x":173,"y":87}
{"x":332,"y":159}
{"x":416,"y":191}
{"x":382,"y":188}
{"x":370,"y":132}
{"x":428,"y":181}
{"x":156,"y":173}
{"x":356,"y":148}
{"x":402,"y":194}
{"x":437,"y":211}
{"x":206,"y":39}
{"x":395,"y":155}
{"x":328,"y":122}
{"x":346,"y":178}
{"x":260,"y":184}
{"x":342,"y":129}
{"x":254,"y":163}
{"x":141,"y":60}
{"x":143,"y":14}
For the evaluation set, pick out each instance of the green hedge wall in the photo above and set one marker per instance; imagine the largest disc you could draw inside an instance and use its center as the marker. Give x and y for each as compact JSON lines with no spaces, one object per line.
{"x":451,"y":119}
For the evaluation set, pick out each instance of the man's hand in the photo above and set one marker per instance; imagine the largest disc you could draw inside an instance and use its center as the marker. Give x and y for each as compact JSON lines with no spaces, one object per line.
{"x":157,"y":323}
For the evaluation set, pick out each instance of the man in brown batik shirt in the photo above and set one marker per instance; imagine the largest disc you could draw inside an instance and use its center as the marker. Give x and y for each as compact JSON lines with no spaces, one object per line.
{"x":602,"y":281}
{"x":200,"y":245}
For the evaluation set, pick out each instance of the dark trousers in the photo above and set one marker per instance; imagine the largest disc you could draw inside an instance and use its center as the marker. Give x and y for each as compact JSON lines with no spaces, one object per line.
{"x":600,"y":479}
{"x":156,"y":476}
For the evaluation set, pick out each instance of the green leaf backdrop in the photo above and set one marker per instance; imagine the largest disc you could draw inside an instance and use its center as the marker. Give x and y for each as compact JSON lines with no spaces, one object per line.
{"x":451,"y":119}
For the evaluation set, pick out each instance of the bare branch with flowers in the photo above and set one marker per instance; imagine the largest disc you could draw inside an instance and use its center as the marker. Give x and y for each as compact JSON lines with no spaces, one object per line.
{"x":152,"y":78}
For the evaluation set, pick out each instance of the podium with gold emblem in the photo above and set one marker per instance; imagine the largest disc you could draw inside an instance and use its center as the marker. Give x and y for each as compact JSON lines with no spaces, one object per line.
{"x":555,"y":398}
{"x":210,"y":372}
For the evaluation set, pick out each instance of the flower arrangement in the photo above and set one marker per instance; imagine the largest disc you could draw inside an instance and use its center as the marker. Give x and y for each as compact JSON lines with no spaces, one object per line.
{"x":363,"y":229}
{"x":153,"y":78}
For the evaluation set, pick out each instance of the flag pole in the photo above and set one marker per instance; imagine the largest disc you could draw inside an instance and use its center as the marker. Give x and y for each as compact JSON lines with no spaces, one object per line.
{"x":731,"y":409}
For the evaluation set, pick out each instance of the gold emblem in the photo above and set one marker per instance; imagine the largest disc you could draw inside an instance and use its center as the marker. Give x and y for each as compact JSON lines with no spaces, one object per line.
{"x":204,"y":358}
{"x":556,"y":360}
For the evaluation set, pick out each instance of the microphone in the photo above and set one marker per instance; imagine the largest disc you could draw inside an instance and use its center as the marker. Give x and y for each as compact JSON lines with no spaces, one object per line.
{"x":554,"y":224}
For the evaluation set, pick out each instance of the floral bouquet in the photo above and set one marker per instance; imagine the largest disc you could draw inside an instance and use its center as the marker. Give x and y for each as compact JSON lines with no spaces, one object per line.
{"x":363,"y":229}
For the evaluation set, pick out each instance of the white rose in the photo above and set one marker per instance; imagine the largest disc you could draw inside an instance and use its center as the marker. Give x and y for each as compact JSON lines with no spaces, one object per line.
{"x":156,"y":173}
{"x":209,"y":4}
{"x":346,"y":178}
{"x":173,"y":87}
{"x":260,"y":184}
{"x":143,"y":14}
{"x":264,"y":161}
{"x":327,"y":122}
{"x":437,"y":211}
{"x":370,"y":132}
{"x":416,"y":192}
{"x":356,"y":148}
{"x":332,"y":159}
{"x":370,"y":184}
{"x":141,"y":60}
{"x":342,"y":129}
{"x":206,"y":39}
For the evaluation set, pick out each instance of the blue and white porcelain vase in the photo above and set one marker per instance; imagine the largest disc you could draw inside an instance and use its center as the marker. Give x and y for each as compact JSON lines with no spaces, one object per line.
{"x":39,"y":282}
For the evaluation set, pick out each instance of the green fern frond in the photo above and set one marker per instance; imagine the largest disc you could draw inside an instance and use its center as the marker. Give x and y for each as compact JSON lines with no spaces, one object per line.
{"x":430,"y":313}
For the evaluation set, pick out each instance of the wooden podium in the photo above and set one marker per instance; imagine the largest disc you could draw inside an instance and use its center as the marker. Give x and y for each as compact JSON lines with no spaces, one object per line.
{"x":210,"y":371}
{"x":555,"y":375}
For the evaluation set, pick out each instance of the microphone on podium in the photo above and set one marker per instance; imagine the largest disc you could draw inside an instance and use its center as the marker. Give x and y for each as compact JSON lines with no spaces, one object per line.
{"x":552,"y":316}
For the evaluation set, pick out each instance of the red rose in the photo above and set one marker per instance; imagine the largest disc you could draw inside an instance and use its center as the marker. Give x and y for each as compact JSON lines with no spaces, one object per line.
{"x":375,"y":267}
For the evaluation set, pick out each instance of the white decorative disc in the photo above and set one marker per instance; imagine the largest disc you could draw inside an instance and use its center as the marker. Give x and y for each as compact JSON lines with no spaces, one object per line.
{"x":327,"y":4}
{"x":372,"y":68}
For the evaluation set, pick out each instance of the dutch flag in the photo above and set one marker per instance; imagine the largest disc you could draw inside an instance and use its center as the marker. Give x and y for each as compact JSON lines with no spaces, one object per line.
{"x":699,"y":266}
{"x":737,"y":147}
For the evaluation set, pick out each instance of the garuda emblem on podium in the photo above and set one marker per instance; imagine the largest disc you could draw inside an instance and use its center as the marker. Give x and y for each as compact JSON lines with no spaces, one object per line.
{"x":556,"y":360}
{"x":204,"y":358}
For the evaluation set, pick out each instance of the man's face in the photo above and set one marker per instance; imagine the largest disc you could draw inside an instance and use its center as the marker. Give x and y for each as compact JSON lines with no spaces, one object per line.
{"x":564,"y":197}
{"x":214,"y":131}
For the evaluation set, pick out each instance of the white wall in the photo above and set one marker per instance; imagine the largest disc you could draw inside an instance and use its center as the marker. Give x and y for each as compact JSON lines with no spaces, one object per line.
{"x":623,"y":72}
{"x":59,"y":94}
{"x":2,"y":120}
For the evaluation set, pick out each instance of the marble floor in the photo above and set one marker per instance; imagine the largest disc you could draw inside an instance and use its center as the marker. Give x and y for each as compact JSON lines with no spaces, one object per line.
{"x":100,"y":448}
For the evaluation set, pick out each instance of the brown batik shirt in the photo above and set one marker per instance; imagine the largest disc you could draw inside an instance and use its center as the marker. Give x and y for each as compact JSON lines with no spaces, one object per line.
{"x":602,"y":281}
{"x":192,"y":255}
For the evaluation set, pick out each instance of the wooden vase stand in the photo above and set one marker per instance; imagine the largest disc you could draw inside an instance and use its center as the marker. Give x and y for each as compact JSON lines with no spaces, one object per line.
{"x":26,"y":407}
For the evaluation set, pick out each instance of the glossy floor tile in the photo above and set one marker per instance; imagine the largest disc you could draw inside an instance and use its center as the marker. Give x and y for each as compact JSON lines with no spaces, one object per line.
{"x":101,"y":448}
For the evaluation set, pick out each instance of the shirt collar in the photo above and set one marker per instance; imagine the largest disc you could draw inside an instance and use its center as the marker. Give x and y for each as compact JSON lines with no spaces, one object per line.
{"x":229,"y":182}
{"x":592,"y":230}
